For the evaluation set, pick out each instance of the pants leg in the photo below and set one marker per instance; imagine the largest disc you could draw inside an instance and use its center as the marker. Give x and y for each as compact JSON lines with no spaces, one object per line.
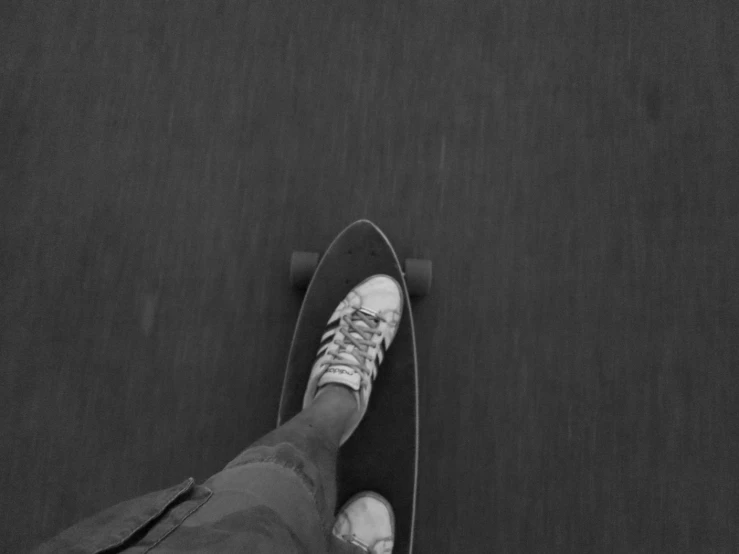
{"x":278,"y":495}
{"x":301,"y":449}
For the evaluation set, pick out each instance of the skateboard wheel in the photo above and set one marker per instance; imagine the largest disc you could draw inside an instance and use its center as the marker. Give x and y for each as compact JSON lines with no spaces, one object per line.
{"x":418,"y":276}
{"x":302,"y":267}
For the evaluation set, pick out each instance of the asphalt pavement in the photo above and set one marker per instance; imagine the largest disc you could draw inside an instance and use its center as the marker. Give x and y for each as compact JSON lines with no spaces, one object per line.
{"x":570,"y":168}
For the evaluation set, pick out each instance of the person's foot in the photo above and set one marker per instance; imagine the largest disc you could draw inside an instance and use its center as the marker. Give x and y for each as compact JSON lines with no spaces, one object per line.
{"x":355,"y":342}
{"x":367,"y":520}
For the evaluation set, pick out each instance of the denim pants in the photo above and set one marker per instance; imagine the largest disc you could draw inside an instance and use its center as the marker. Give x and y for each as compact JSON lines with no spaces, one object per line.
{"x":277,"y":496}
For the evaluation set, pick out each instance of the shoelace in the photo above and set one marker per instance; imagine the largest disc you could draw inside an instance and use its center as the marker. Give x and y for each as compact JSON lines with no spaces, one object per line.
{"x":352,"y":539}
{"x":386,"y":544}
{"x":350,"y":329}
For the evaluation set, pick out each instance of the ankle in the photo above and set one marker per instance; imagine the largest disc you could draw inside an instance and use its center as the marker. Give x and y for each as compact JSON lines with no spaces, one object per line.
{"x":338,"y":394}
{"x":332,"y":409}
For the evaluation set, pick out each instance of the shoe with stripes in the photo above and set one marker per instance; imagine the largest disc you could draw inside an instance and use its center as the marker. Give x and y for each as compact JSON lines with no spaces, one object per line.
{"x":356,"y":340}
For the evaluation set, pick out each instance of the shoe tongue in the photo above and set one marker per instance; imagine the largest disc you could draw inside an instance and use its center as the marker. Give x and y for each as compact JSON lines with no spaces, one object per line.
{"x":342,"y":375}
{"x":345,"y":374}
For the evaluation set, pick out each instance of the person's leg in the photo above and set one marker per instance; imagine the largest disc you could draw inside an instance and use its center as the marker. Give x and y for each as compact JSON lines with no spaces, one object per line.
{"x":278,"y":495}
{"x":316,"y":432}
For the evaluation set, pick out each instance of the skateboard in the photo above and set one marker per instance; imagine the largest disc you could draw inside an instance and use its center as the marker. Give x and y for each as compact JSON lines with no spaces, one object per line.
{"x":382,"y":454}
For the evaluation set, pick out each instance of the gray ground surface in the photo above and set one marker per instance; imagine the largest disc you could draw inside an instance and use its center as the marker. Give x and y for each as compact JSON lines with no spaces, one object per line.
{"x":570,"y":167}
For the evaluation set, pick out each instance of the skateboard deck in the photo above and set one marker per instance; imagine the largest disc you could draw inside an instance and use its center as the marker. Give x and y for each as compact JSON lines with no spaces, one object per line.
{"x":382,"y":454}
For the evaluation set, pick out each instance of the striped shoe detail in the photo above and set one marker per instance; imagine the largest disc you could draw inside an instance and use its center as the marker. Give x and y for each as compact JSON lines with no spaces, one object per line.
{"x":383,"y":350}
{"x":330,"y":333}
{"x":381,"y":353}
{"x":328,"y":336}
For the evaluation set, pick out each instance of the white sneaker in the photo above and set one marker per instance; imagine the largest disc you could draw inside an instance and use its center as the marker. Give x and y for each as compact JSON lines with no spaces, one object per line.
{"x":367,"y":521}
{"x":357,"y":337}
